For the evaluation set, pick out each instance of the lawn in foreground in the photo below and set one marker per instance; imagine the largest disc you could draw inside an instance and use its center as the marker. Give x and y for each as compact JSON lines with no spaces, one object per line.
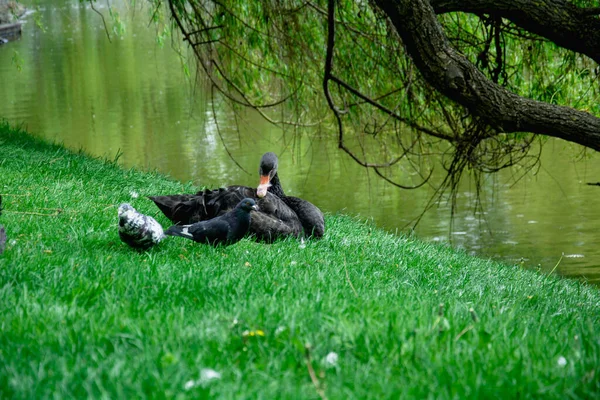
{"x":83,"y":315}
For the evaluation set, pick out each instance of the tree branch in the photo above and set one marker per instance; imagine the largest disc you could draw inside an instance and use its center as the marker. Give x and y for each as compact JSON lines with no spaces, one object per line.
{"x":391,"y":113}
{"x":454,"y":76}
{"x":103,"y":20}
{"x":327,"y":76}
{"x":576,"y":29}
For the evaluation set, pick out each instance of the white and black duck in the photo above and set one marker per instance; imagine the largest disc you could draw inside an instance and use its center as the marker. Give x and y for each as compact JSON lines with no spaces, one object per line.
{"x":278,"y":216}
{"x":138,"y":230}
{"x":225,"y":229}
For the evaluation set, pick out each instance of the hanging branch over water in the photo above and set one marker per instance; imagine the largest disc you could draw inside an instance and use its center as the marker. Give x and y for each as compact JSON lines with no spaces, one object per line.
{"x":103,"y":20}
{"x":327,"y":77}
{"x":458,"y":79}
{"x":405,"y":81}
{"x":560,"y":21}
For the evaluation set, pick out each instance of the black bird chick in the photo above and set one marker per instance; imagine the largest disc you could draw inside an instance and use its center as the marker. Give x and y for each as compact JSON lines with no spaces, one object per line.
{"x":138,"y":230}
{"x":2,"y":232}
{"x":225,"y":229}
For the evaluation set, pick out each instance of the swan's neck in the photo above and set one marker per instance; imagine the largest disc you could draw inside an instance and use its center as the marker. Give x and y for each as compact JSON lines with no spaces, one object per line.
{"x":276,"y":188}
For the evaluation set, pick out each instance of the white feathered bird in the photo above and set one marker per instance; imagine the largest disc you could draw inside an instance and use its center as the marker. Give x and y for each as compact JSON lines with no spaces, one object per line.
{"x":138,"y":230}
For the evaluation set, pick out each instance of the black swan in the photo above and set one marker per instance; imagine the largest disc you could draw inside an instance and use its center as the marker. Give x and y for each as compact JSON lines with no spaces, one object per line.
{"x":311,"y":218}
{"x":138,"y":230}
{"x":228,"y":228}
{"x":279,"y":215}
{"x":274,"y":220}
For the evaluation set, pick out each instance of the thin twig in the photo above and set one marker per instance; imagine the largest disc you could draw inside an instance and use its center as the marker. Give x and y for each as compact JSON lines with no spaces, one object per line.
{"x":390,"y":112}
{"x":553,"y":269}
{"x":467,"y":329}
{"x":311,"y":372}
{"x":385,"y":178}
{"x":103,"y":20}
{"x":214,"y":112}
{"x":348,"y":279}
{"x":155,"y":13}
{"x":210,"y":28}
{"x":204,"y":42}
{"x":54,"y":214}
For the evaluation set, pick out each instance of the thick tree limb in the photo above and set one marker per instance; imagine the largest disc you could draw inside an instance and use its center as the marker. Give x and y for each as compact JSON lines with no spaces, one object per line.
{"x":576,"y":29}
{"x":454,"y":76}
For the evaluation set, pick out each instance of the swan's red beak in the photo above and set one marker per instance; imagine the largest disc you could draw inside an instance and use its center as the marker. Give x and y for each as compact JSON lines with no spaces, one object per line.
{"x":261,"y":191}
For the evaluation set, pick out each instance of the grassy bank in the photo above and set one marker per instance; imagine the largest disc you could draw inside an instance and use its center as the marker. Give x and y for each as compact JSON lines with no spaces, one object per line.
{"x":82,"y":315}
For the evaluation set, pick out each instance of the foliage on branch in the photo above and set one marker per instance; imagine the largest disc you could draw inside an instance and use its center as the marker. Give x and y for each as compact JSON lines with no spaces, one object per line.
{"x":355,"y":75}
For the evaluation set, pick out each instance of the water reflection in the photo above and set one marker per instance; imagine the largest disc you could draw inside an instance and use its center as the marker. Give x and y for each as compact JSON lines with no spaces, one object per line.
{"x":133,"y":96}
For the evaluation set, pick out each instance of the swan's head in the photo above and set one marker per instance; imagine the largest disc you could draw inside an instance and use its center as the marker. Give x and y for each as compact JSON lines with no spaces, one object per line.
{"x":267,"y":170}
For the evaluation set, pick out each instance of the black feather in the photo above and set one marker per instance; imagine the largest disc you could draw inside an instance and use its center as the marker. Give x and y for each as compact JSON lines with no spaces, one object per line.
{"x":310,"y":216}
{"x":226,"y":229}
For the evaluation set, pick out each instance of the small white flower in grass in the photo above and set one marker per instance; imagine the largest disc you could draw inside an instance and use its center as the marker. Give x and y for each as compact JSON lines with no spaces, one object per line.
{"x":302,"y":244}
{"x":13,"y":242}
{"x":561,"y":361}
{"x":331,"y":359}
{"x":280,"y":329}
{"x":293,"y":263}
{"x":207,"y":375}
{"x":134,"y":194}
{"x":190,"y":384}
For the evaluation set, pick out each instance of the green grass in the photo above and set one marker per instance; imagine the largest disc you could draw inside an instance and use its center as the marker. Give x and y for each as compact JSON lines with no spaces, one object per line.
{"x":82,"y":315}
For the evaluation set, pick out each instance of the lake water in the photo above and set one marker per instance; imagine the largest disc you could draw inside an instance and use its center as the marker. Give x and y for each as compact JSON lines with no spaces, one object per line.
{"x":66,"y":82}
